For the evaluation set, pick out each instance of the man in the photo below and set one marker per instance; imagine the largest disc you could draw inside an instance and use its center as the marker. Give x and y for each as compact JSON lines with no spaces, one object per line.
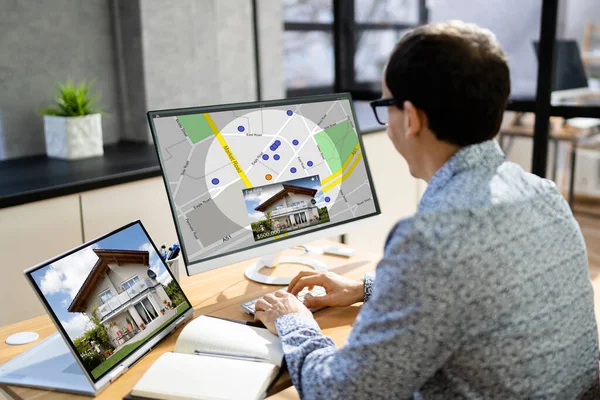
{"x":485,"y":292}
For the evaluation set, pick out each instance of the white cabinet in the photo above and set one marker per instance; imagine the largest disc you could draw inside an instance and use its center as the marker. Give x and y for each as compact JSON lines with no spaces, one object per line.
{"x":30,"y":234}
{"x":34,"y":232}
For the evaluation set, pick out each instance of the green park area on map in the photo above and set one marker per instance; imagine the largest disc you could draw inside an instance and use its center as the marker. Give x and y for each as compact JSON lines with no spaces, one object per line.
{"x":195,"y":126}
{"x":336,"y":143}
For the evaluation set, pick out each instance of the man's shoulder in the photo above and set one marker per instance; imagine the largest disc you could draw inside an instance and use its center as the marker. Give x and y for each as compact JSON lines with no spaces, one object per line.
{"x":478,"y":224}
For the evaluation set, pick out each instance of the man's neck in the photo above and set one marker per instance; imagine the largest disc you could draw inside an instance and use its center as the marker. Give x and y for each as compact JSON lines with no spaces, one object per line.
{"x":438,"y":154}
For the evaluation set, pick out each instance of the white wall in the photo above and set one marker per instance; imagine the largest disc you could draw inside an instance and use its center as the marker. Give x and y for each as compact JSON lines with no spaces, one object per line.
{"x":120,"y":273}
{"x":94,"y":299}
{"x":398,"y":192}
{"x":202,"y":52}
{"x":574,"y":16}
{"x":278,"y":203}
{"x":295,"y":197}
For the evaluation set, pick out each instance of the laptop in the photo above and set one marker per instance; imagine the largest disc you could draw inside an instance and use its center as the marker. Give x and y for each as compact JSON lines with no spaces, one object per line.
{"x":112,"y":300}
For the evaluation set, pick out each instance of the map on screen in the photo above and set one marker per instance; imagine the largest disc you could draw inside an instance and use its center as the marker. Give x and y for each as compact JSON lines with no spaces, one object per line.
{"x":242,"y":177}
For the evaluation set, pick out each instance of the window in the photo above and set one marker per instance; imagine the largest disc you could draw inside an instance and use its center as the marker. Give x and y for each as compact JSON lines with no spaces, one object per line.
{"x":379,"y":24}
{"x":359,"y":34}
{"x":105,"y":295}
{"x":130,"y":283}
{"x":308,"y":46}
{"x":300,"y":218}
{"x":298,"y":203}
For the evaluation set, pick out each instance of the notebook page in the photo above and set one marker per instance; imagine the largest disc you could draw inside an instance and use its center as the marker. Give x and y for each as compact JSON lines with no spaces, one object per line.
{"x":220,"y":336}
{"x":182,"y":376}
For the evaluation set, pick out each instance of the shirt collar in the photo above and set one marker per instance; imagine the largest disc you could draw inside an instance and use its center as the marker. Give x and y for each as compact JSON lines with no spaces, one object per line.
{"x":485,"y":155}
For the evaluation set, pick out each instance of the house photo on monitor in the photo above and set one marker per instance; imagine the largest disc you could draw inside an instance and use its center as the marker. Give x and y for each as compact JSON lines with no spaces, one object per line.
{"x":281,"y":208}
{"x":111,"y":297}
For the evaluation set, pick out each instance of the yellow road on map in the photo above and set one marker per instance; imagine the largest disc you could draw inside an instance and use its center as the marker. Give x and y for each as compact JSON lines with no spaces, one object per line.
{"x":345,"y":176}
{"x":223,"y":143}
{"x":339,"y":172}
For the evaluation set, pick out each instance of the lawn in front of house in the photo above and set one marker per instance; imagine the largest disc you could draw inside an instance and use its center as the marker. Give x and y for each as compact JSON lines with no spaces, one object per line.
{"x":129,"y":348}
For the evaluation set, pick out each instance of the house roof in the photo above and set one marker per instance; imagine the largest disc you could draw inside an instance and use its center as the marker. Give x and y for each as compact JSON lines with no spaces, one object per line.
{"x":105,"y":257}
{"x":281,"y":194}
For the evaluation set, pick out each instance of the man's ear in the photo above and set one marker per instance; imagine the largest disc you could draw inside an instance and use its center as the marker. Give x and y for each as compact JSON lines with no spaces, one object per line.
{"x":413,"y":120}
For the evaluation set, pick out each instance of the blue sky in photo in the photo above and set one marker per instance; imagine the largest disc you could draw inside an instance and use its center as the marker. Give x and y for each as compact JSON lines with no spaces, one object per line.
{"x":61,"y":280}
{"x":258,"y":195}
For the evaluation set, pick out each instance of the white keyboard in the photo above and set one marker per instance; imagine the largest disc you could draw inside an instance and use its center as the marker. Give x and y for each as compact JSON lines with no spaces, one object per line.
{"x":317,"y":291}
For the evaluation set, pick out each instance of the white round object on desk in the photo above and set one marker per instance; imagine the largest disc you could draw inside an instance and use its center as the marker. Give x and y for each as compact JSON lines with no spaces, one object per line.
{"x":22,"y":338}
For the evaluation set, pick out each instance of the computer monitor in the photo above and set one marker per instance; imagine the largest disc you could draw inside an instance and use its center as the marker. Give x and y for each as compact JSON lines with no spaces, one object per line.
{"x":251,"y":179}
{"x":568,"y":69}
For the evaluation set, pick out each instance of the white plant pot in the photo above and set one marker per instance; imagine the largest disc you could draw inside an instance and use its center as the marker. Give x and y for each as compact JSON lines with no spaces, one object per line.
{"x":174,"y":267}
{"x":73,"y":138}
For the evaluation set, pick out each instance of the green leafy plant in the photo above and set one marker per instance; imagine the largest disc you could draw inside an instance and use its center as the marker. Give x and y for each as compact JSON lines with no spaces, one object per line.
{"x":74,"y":100}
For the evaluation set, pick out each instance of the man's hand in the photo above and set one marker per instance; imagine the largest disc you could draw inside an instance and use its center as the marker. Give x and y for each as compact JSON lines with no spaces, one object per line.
{"x":275,"y":305}
{"x":341,"y":291}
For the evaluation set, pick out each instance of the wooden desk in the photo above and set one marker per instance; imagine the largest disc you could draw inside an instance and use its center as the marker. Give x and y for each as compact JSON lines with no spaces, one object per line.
{"x":218,"y":292}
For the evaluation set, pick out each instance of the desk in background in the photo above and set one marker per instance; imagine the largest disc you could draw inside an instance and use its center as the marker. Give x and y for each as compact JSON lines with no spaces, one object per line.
{"x":565,"y":133}
{"x":218,"y":292}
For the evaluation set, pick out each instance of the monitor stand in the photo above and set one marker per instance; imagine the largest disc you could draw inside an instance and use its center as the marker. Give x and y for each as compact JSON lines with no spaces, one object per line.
{"x":273,"y":260}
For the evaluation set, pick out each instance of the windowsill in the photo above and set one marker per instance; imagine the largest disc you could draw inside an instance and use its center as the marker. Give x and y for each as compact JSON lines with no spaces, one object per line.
{"x":29,"y":179}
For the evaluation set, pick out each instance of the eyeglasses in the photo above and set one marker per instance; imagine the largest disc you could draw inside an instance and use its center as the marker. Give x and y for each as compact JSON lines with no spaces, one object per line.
{"x":380,"y":109}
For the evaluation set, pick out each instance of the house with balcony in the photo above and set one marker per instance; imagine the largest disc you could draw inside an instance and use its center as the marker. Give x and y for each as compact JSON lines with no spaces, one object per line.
{"x":124,"y":295}
{"x":291,"y":208}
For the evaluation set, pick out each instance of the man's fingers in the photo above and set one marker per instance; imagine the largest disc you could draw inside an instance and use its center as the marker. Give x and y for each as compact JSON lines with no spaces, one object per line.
{"x":297,"y":277}
{"x":270,"y":298}
{"x":314,"y":302}
{"x":314,"y":280}
{"x":280,"y":293}
{"x":262,"y":305}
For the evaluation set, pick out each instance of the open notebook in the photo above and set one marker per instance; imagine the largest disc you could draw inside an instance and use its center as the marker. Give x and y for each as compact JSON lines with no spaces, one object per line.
{"x":214,"y":359}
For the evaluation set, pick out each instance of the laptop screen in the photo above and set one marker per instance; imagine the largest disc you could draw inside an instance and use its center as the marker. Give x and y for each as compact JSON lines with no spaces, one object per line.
{"x":110,"y":296}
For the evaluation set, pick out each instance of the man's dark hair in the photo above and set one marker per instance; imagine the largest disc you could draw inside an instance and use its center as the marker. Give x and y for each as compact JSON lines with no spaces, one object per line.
{"x":457,"y":74}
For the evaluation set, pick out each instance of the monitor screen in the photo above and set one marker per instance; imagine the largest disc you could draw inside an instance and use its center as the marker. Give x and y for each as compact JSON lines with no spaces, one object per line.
{"x":568,"y":71}
{"x":245,"y":175}
{"x":110,"y":296}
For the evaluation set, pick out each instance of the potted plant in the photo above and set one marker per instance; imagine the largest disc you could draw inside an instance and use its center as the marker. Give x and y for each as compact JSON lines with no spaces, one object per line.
{"x":162,"y":311}
{"x":73,"y":128}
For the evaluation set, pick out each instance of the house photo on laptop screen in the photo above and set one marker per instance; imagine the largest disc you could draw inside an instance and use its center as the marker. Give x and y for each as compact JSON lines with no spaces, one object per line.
{"x":111,"y":297}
